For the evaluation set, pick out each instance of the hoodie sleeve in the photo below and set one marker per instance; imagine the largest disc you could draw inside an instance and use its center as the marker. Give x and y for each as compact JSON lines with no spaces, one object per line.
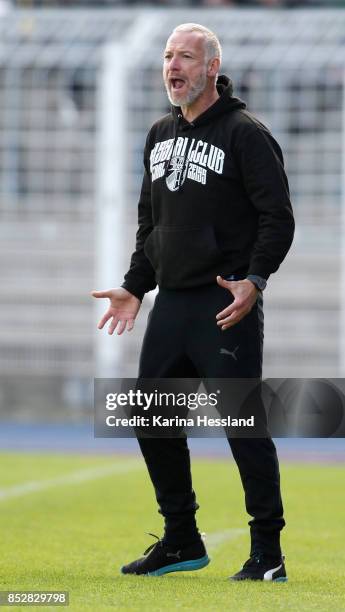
{"x":266,"y":184}
{"x":140,"y":277}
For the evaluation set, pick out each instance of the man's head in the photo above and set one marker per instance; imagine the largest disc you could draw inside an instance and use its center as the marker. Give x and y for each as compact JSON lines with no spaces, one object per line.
{"x":191,"y":62}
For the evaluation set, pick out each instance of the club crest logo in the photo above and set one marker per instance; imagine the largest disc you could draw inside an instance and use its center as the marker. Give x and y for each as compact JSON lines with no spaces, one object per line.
{"x":176,"y":173}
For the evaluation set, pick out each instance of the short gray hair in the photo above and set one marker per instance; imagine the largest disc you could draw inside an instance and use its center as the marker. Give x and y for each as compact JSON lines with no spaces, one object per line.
{"x":212,"y":44}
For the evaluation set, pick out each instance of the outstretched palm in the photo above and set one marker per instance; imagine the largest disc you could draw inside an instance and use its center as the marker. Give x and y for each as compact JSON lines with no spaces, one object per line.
{"x":123,"y":309}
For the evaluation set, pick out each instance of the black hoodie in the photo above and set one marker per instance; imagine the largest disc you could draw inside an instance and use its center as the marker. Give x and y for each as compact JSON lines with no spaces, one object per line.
{"x":214,"y":199}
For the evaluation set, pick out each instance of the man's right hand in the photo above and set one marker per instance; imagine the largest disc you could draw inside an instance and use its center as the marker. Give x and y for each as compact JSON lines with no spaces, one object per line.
{"x":123,"y":309}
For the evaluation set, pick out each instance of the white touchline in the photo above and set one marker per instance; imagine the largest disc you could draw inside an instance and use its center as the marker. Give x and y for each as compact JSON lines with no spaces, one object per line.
{"x":212,"y":540}
{"x":78,"y":477}
{"x":215,"y":539}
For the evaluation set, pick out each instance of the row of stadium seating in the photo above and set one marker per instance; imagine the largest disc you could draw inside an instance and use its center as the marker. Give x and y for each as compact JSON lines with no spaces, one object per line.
{"x":169,"y":3}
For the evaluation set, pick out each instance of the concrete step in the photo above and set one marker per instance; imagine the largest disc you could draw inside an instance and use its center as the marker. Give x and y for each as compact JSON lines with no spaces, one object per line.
{"x":46,"y":337}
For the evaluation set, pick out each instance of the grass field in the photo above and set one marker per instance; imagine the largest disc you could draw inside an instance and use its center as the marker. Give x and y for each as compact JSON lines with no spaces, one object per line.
{"x":70,"y":522}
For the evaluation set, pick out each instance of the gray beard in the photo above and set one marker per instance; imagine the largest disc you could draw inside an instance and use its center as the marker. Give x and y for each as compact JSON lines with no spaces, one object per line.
{"x":192,"y":95}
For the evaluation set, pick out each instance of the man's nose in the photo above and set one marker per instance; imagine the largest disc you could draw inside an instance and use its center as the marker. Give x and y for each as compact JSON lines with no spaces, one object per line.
{"x":174,"y":63}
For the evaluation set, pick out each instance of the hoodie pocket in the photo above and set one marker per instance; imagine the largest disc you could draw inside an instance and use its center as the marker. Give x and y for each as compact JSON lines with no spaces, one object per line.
{"x":183,"y":257}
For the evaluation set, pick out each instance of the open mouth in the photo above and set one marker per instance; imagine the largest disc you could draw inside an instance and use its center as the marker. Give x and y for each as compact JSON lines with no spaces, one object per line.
{"x":177,"y":83}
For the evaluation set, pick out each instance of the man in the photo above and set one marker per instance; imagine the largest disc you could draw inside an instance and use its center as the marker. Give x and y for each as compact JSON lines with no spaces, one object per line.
{"x":215,"y":221}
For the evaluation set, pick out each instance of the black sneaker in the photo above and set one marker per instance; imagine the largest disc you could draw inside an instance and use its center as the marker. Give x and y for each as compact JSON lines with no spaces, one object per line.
{"x":262,"y":567}
{"x":160,"y":559}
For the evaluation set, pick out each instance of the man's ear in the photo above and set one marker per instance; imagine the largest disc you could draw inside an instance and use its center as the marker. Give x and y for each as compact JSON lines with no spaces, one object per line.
{"x":213,"y":67}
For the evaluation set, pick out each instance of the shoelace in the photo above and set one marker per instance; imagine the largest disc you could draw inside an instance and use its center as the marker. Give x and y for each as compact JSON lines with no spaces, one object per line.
{"x":254,"y":560}
{"x":159,"y":541}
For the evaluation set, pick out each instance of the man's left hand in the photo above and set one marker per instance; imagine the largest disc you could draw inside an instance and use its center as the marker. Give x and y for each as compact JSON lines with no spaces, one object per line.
{"x":245,"y":294}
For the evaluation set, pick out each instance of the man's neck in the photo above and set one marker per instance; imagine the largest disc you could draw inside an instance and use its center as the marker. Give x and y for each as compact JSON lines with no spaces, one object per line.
{"x":192,"y":111}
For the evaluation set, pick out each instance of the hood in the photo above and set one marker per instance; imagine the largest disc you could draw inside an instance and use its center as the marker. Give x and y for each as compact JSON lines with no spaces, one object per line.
{"x":225,"y":104}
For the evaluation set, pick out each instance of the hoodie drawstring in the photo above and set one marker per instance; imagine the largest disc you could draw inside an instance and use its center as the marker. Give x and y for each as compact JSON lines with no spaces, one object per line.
{"x":177,"y":125}
{"x":185,"y":159}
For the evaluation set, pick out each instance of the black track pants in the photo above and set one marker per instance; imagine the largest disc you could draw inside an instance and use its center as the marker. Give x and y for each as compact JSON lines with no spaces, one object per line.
{"x":182,"y":340}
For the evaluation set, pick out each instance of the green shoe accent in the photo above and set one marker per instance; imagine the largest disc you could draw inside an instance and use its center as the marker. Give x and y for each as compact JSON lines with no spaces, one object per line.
{"x":183,"y":566}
